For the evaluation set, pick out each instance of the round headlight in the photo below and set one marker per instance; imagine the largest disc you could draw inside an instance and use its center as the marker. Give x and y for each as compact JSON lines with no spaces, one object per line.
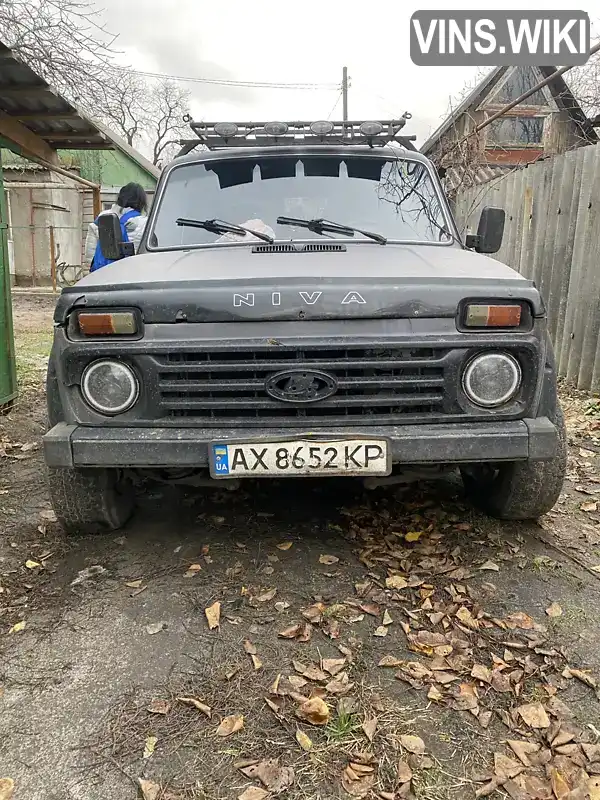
{"x":226,"y":129}
{"x":371,"y":128}
{"x":492,"y":379}
{"x":322,"y":127}
{"x":276,"y":128}
{"x":110,"y":387}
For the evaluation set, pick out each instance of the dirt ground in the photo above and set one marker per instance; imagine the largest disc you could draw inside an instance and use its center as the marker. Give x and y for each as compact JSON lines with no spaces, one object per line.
{"x":382,"y":644}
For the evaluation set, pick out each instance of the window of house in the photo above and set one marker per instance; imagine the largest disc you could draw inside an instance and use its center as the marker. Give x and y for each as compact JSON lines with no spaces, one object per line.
{"x":516,"y":131}
{"x":519,"y":81}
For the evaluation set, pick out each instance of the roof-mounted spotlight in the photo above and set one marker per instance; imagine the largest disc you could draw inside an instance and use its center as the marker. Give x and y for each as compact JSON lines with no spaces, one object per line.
{"x":371,"y":128}
{"x":276,"y":128}
{"x":322,"y":127}
{"x":226,"y":129}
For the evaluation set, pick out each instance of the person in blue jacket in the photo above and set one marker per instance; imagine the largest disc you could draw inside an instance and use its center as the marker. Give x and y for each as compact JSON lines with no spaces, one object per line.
{"x":131,"y":207}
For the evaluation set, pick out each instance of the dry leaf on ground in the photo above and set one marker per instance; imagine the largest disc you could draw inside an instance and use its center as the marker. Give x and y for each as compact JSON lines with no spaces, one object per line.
{"x":581,"y":675}
{"x":303,"y":740}
{"x":490,"y":566}
{"x":413,"y":536}
{"x":405,"y":773}
{"x":192,"y":570}
{"x":7,"y":787}
{"x":213,"y":615}
{"x":273,"y":776}
{"x":18,"y":626}
{"x":133,"y":584}
{"x":253,"y":793}
{"x":559,"y":785}
{"x":32,"y":564}
{"x":302,"y":632}
{"x":231,"y":724}
{"x":159,"y":707}
{"x":534,"y":715}
{"x":387,"y":618}
{"x":554,"y":610}
{"x":315,"y":711}
{"x":369,"y":726}
{"x":396,"y":582}
{"x":356,"y":784}
{"x":591,"y":505}
{"x":324,"y":559}
{"x":193,"y":701}
{"x":149,"y":790}
{"x":333,"y":665}
{"x":266,"y":596}
{"x":149,"y":746}
{"x":155,"y":628}
{"x":390,"y":661}
{"x":381,"y":631}
{"x":505,"y":767}
{"x":413,"y":744}
{"x":523,"y":750}
{"x":284,"y":545}
{"x":519,"y":620}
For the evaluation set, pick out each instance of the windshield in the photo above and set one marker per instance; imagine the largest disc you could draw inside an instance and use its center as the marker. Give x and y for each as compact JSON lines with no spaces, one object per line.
{"x":395,"y":198}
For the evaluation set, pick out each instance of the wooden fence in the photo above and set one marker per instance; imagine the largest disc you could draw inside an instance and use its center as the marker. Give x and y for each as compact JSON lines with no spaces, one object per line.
{"x":552,"y":237}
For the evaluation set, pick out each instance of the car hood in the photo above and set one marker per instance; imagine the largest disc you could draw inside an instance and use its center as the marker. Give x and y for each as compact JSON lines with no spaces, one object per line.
{"x":239,"y":282}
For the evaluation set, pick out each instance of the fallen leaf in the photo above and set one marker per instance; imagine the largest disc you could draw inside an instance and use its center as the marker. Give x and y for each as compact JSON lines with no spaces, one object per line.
{"x":193,"y":701}
{"x":159,"y":707}
{"x":405,"y":773}
{"x":490,"y":566}
{"x":390,"y":661}
{"x":48,"y":516}
{"x":465,"y":697}
{"x":155,"y":628}
{"x":396,"y":582}
{"x":18,"y":626}
{"x":467,"y":619}
{"x":519,"y":620}
{"x":7,"y":787}
{"x":554,"y":610}
{"x":256,"y":661}
{"x":381,"y":631}
{"x":559,"y":785}
{"x":150,"y":745}
{"x":534,"y":715}
{"x":413,"y":536}
{"x":340,"y":685}
{"x":481,"y":673}
{"x":281,"y":606}
{"x":333,"y":665}
{"x":488,"y":789}
{"x":355,"y":784}
{"x":371,"y":609}
{"x":250,"y":648}
{"x":266,"y":596}
{"x":314,"y":613}
{"x":590,"y":505}
{"x":192,"y":570}
{"x":150,"y":790}
{"x":133,"y":584}
{"x":582,"y":676}
{"x":32,"y":564}
{"x":413,"y":744}
{"x":303,"y":740}
{"x":387,"y":618}
{"x":594,"y":787}
{"x":435,"y":694}
{"x":297,"y":682}
{"x":213,"y":615}
{"x":284,"y":545}
{"x":523,"y":750}
{"x":274,"y":777}
{"x":253,"y":793}
{"x":328,"y":560}
{"x":231,"y":724}
{"x":506,"y":767}
{"x":315,"y":711}
{"x":369,"y":726}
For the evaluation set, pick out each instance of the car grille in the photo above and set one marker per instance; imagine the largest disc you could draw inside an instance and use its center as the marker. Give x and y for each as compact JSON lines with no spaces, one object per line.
{"x":375,"y":385}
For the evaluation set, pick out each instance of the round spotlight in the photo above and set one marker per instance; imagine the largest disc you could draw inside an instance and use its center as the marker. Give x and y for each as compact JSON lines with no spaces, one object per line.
{"x":322,"y":127}
{"x":371,"y":128}
{"x":110,"y":387}
{"x":226,"y":129}
{"x":492,"y":379}
{"x":276,"y":128}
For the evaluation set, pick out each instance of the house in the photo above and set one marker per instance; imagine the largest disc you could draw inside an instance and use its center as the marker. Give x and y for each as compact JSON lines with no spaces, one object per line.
{"x":548,"y":122}
{"x":48,"y":214}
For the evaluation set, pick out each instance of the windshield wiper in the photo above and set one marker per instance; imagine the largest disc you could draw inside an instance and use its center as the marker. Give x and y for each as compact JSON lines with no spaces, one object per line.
{"x":221,"y":226}
{"x":321,"y":226}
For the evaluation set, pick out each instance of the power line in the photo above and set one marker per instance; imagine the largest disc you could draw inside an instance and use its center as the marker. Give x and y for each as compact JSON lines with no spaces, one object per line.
{"x":335,"y":105}
{"x":225,"y":82}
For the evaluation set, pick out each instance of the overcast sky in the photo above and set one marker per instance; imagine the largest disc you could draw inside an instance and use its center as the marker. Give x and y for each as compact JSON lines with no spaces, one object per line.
{"x":309,"y":41}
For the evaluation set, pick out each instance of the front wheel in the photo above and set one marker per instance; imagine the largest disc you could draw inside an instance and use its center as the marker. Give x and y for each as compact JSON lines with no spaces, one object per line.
{"x":90,"y":500}
{"x":519,"y":490}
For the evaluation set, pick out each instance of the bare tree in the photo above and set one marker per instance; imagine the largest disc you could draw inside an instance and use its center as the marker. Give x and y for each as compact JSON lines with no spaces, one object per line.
{"x":64,"y":41}
{"x":584,"y":82}
{"x":167,"y":108}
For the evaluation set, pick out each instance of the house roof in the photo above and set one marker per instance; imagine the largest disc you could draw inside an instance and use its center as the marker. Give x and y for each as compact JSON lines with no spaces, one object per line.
{"x":29,"y":102}
{"x":120,"y":144}
{"x":559,"y":89}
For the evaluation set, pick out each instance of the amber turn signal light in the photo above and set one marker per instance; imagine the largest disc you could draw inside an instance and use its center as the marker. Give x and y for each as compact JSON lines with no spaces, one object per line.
{"x":484,"y":316}
{"x":119,"y":323}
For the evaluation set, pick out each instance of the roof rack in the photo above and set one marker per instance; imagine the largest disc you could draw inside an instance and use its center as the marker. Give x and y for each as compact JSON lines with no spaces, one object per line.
{"x":220,"y":135}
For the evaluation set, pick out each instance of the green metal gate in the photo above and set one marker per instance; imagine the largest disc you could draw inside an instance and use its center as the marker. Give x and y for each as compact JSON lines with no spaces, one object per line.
{"x":8,"y":376}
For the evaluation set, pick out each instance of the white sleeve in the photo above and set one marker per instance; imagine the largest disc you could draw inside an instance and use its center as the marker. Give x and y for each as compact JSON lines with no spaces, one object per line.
{"x":135,"y":230}
{"x":91,"y":240}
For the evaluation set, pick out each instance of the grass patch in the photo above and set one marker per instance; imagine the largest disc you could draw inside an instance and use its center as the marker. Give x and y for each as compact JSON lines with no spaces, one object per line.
{"x":32,"y":349}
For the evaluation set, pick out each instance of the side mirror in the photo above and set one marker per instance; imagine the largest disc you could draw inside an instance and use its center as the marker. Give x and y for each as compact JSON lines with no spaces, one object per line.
{"x":110,"y":235}
{"x":489,"y":231}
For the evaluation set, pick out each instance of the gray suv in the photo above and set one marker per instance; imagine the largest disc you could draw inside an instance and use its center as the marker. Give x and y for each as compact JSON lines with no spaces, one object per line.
{"x":301,"y":305}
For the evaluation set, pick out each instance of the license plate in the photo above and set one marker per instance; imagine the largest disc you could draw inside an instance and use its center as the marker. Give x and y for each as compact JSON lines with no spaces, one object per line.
{"x":343,"y":457}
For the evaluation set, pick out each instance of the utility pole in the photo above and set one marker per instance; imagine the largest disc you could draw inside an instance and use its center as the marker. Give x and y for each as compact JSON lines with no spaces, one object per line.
{"x":345,"y":94}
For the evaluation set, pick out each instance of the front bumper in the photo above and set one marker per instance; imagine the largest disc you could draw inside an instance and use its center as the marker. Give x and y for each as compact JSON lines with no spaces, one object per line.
{"x":78,"y":446}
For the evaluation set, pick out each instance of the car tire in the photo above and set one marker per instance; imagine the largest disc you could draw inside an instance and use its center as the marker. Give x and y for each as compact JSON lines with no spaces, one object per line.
{"x":519,"y":490}
{"x":88,"y":501}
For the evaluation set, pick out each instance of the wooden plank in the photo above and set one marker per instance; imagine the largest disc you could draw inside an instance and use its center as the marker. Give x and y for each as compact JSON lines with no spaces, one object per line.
{"x":29,"y":143}
{"x":45,"y":116}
